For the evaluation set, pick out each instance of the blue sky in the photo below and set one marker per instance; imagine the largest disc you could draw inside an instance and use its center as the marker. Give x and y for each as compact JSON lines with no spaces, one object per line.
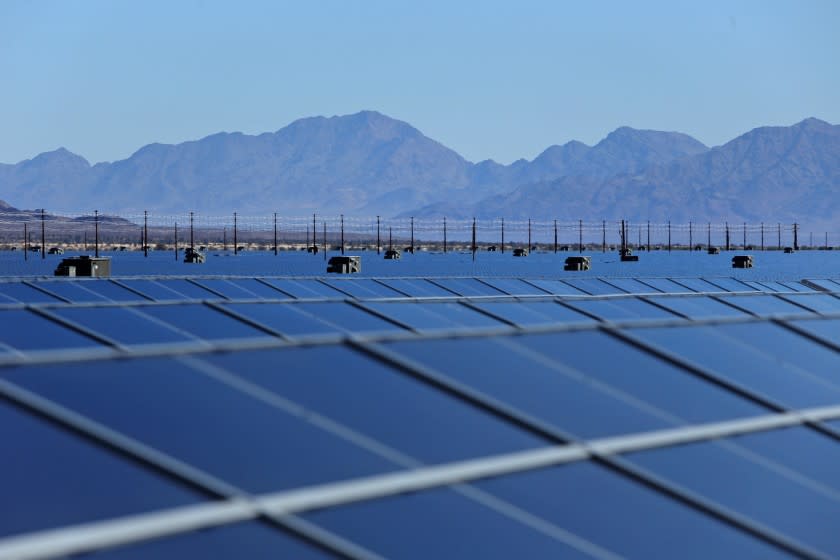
{"x":499,"y":80}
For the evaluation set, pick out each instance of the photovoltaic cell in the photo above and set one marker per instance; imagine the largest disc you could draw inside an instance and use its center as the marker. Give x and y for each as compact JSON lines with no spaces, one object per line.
{"x":655,"y":382}
{"x":698,"y":307}
{"x":758,"y":286}
{"x":439,"y":523}
{"x":764,"y":304}
{"x":259,"y":289}
{"x":364,"y":288}
{"x":570,"y":402}
{"x":227,"y":289}
{"x":348,"y":317}
{"x":289,"y":320}
{"x":437,"y":315}
{"x":718,"y":353}
{"x":187,"y":288}
{"x":112,"y":291}
{"x":204,"y":422}
{"x":52,"y":477}
{"x":827,"y":329}
{"x":621,"y":309}
{"x":202,"y":321}
{"x":122,"y":324}
{"x":25,"y":293}
{"x":592,"y":502}
{"x":821,"y":303}
{"x":697,"y":284}
{"x":251,"y":540}
{"x":730,"y":284}
{"x":514,"y":286}
{"x":556,"y":287}
{"x":24,"y":330}
{"x":417,"y":287}
{"x":71,"y":291}
{"x":786,"y":504}
{"x":593,"y":286}
{"x":532,"y":313}
{"x":631,"y":285}
{"x":666,"y":285}
{"x":153,"y":289}
{"x":304,"y":288}
{"x":796,"y":286}
{"x":788,"y":348}
{"x":391,"y":407}
{"x":826,"y":284}
{"x":468,"y":287}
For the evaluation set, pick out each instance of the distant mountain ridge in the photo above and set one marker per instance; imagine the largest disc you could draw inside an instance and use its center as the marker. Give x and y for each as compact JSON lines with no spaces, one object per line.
{"x":368,"y":163}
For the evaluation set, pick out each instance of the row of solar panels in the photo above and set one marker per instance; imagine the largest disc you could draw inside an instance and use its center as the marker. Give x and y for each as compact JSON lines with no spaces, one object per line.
{"x":166,"y":289}
{"x":50,"y":327}
{"x":140,"y":434}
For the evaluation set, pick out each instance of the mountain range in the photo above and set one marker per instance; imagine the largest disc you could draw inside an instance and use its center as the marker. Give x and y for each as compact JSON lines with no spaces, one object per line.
{"x":368,"y":163}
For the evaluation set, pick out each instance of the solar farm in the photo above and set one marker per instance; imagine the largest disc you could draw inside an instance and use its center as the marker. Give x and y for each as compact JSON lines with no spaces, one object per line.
{"x":419,"y":417}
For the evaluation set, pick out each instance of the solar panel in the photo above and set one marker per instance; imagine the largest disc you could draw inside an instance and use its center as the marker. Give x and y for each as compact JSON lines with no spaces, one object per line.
{"x":764,"y":305}
{"x":78,"y":479}
{"x":594,"y":507}
{"x":241,"y":436}
{"x":751,"y":486}
{"x":26,"y":330}
{"x":736,"y":362}
{"x":617,"y":309}
{"x":593,"y":286}
{"x":556,"y":396}
{"x":359,"y":427}
{"x":253,"y":540}
{"x":659,"y":384}
{"x":398,"y":411}
{"x":698,"y":307}
{"x":25,"y":293}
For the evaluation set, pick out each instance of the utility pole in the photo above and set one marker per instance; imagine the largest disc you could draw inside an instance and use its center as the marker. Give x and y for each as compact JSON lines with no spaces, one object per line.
{"x":669,"y":236}
{"x":44,"y":236}
{"x":603,"y":236}
{"x":192,"y":237}
{"x":96,"y":231}
{"x":412,"y":235}
{"x":377,"y":234}
{"x":176,"y":241}
{"x":555,"y":236}
{"x":580,"y":236}
{"x":690,"y":238}
{"x":342,"y":234}
{"x":473,"y":240}
{"x":235,"y":238}
{"x":145,"y":233}
{"x":503,"y":236}
{"x":444,"y":235}
{"x":275,"y":234}
{"x":529,"y":234}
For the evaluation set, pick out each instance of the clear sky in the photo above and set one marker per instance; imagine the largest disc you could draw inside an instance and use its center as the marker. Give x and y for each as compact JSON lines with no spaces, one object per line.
{"x":490,"y":79}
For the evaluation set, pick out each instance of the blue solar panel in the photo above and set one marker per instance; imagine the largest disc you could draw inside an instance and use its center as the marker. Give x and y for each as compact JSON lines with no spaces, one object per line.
{"x":730,"y":284}
{"x":304,"y":288}
{"x":363,"y":288}
{"x":591,"y":502}
{"x":348,"y":317}
{"x":637,"y":373}
{"x":25,"y":293}
{"x":532,"y":313}
{"x":260,"y":289}
{"x":468,"y":287}
{"x":631,"y":285}
{"x":72,"y":290}
{"x":52,"y":478}
{"x":698,"y":307}
{"x":666,"y":285}
{"x":240,"y":439}
{"x":122,"y":324}
{"x":593,"y":286}
{"x":619,"y":309}
{"x":112,"y":291}
{"x":189,"y":289}
{"x":556,"y":287}
{"x":755,"y":488}
{"x":24,"y":330}
{"x":254,"y":541}
{"x":828,"y":329}
{"x":764,"y":304}
{"x":439,"y":523}
{"x":202,"y":321}
{"x":289,"y":320}
{"x":228,"y":289}
{"x":153,"y":289}
{"x":697,"y":284}
{"x":417,"y":287}
{"x":514,"y":286}
{"x":366,"y":396}
{"x":565,"y":400}
{"x":713,"y":350}
{"x":821,"y":303}
{"x":429,"y":316}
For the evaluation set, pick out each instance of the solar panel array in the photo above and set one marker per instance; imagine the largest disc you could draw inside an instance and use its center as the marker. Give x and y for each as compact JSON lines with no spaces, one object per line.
{"x":416,"y":418}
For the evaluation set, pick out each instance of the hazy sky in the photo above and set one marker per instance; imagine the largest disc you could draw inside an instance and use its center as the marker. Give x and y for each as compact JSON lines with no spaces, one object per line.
{"x":499,"y":80}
